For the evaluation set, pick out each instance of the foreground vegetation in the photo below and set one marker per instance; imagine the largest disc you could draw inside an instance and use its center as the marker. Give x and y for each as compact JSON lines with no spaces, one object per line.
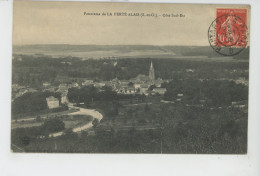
{"x":153,"y":128}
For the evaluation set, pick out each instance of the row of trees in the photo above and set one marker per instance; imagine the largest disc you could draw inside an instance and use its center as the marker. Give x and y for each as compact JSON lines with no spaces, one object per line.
{"x":90,"y":94}
{"x":214,"y":92}
{"x":33,"y":71}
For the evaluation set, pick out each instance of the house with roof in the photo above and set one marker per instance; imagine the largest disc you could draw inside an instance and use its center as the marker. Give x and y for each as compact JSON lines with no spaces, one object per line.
{"x":63,"y":88}
{"x":158,"y":82}
{"x":87,"y":82}
{"x":73,"y":84}
{"x":46,"y":84}
{"x":64,"y":98}
{"x":159,"y":90}
{"x":52,"y":102}
{"x":144,"y":88}
{"x":137,"y":86}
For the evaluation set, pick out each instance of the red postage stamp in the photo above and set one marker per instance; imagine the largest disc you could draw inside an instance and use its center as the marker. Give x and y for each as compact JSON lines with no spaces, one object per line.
{"x":228,"y":32}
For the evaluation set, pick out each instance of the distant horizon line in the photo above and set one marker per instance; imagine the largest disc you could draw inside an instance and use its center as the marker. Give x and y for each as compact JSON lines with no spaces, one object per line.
{"x":108,"y":45}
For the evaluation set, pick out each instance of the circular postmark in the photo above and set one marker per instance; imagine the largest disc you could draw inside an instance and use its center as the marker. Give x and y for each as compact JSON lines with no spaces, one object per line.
{"x":227,"y":35}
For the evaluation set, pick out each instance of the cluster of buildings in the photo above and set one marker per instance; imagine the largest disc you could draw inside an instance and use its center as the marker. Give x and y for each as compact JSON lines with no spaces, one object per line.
{"x":139,"y":85}
{"x":142,"y":84}
{"x":18,"y":90}
{"x":53,"y":102}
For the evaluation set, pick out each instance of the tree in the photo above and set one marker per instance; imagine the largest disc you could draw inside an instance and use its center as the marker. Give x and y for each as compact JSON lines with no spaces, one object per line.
{"x":146,"y":108}
{"x":38,"y":119}
{"x":84,"y":134}
{"x":25,"y":140}
{"x":95,"y":122}
{"x":130,"y":84}
{"x":115,"y":108}
{"x":69,"y":134}
{"x":142,"y":121}
{"x":53,"y":125}
{"x":151,"y":87}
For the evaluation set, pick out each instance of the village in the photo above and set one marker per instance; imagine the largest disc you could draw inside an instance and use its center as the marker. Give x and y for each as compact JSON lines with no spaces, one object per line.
{"x":142,"y":84}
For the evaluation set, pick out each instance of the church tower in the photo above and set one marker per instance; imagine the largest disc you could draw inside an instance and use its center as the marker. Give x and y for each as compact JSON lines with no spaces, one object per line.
{"x":151,"y":73}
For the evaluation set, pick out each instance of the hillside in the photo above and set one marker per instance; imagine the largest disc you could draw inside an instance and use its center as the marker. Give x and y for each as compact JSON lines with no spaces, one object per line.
{"x":124,"y":51}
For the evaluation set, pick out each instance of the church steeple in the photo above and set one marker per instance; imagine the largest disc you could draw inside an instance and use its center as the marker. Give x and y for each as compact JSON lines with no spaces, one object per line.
{"x":151,"y":73}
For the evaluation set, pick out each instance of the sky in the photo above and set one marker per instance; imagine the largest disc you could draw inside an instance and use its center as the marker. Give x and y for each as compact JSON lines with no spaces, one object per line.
{"x":65,"y":23}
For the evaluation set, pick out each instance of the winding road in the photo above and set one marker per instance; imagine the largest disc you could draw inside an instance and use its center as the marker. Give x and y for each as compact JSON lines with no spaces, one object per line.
{"x":92,"y":112}
{"x":82,"y":111}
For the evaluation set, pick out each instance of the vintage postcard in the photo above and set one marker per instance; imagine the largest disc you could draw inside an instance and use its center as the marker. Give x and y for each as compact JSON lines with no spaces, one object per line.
{"x":155,"y":78}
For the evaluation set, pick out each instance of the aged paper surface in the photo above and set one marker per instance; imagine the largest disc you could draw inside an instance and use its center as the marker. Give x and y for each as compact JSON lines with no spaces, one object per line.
{"x":130,"y":78}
